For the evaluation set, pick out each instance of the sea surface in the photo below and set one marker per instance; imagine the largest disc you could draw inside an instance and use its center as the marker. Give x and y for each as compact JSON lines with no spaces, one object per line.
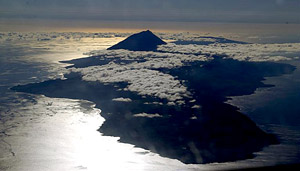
{"x":42,"y":133}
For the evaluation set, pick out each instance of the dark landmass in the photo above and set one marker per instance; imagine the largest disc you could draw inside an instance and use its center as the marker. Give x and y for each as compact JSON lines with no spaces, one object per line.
{"x":216,"y":132}
{"x":143,"y":41}
{"x":86,"y":62}
{"x":97,"y":60}
{"x":217,"y":40}
{"x":220,"y":78}
{"x":220,"y":133}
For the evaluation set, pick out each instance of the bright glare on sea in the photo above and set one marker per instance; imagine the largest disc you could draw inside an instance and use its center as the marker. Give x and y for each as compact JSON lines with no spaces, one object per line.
{"x":42,"y":133}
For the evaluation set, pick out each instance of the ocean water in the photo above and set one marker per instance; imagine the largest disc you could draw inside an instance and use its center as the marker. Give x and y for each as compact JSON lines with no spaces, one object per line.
{"x":276,"y":109}
{"x":42,"y":133}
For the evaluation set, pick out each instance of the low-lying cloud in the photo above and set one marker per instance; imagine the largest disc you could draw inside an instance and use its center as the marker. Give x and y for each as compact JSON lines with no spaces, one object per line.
{"x":241,"y":52}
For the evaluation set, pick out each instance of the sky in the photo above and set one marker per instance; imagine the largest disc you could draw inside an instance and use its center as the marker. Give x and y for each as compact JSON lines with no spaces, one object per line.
{"x":246,"y":11}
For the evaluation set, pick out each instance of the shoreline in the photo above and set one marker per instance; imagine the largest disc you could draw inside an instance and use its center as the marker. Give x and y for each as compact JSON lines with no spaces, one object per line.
{"x":214,"y":166}
{"x":120,"y":123}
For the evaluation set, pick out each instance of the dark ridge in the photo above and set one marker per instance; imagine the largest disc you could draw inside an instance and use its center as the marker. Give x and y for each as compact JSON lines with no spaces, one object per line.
{"x":143,"y":41}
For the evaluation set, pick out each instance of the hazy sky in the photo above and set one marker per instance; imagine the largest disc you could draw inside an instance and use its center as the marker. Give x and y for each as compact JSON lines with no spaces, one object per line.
{"x":261,"y":11}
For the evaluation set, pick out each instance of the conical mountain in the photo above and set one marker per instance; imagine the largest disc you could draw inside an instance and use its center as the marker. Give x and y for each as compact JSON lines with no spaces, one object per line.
{"x":143,"y":41}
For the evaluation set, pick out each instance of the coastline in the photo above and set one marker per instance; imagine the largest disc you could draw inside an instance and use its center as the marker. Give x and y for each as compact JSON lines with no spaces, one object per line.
{"x":262,"y":158}
{"x":144,"y":132}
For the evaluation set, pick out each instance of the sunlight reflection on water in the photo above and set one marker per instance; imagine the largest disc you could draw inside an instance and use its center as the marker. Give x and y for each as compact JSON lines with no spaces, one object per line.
{"x":61,"y":134}
{"x":41,"y":133}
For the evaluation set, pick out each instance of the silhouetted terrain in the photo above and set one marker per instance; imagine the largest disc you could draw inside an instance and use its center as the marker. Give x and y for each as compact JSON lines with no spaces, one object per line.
{"x":212,"y":132}
{"x":136,"y":42}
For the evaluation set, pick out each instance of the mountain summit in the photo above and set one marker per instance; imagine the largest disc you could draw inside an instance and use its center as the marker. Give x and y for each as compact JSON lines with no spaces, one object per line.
{"x":143,"y":41}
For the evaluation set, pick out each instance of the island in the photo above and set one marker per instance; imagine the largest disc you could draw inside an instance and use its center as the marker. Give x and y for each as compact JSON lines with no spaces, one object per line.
{"x":167,"y":103}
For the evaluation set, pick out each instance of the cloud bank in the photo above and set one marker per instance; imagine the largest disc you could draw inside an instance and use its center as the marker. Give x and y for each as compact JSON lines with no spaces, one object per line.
{"x":141,"y":70}
{"x":241,"y":52}
{"x":143,"y":81}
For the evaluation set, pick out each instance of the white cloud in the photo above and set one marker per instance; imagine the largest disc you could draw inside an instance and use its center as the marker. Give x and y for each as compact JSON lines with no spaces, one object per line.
{"x":241,"y":52}
{"x":194,"y":118}
{"x":140,"y":75}
{"x":171,"y":104}
{"x":186,"y":36}
{"x":153,"y":59}
{"x":121,"y":99}
{"x":143,"y":81}
{"x":143,"y":78}
{"x":156,"y":115}
{"x":180,"y":102}
{"x":196,"y":107}
{"x":156,"y":103}
{"x":192,"y":101}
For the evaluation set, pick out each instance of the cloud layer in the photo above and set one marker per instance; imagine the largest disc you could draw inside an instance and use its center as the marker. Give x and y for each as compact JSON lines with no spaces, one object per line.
{"x":140,"y":69}
{"x":241,"y":52}
{"x":140,"y":80}
{"x":140,"y":73}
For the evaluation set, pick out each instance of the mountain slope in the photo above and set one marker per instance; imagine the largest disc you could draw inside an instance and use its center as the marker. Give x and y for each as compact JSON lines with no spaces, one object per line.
{"x":143,"y":41}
